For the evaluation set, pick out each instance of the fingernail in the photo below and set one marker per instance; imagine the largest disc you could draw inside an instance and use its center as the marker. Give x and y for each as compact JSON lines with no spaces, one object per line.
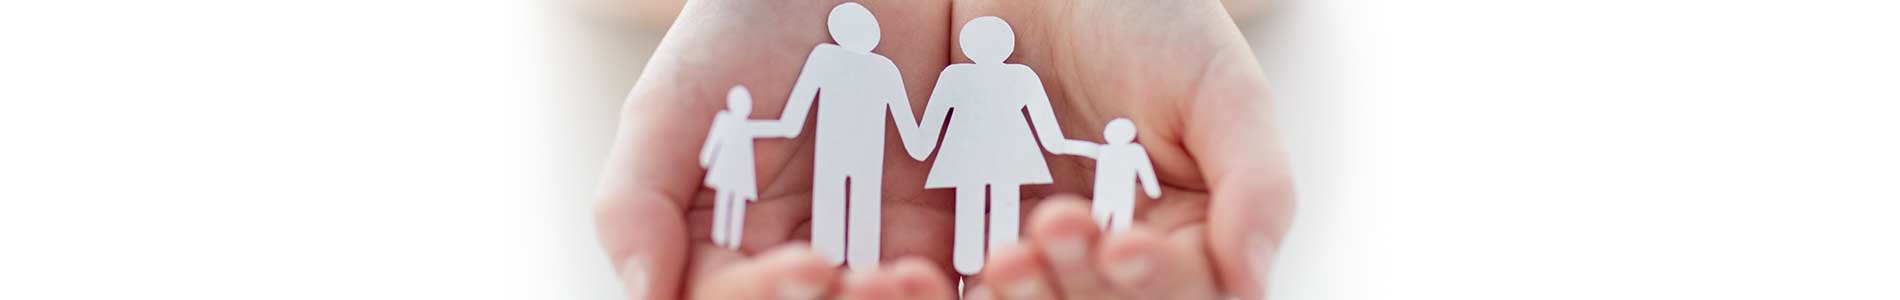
{"x":798,"y":290}
{"x":1130,"y":271}
{"x":1024,"y":289}
{"x":1066,"y":250}
{"x":634,"y":274}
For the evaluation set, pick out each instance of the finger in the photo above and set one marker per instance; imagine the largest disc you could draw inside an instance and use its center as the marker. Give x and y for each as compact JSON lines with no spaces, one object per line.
{"x":1065,"y":233}
{"x":920,"y":279}
{"x":1142,"y":263}
{"x":968,"y":284}
{"x":916,"y":41}
{"x":788,"y":272}
{"x":1018,"y":273}
{"x":651,"y":176}
{"x":915,"y":38}
{"x":646,"y":186}
{"x":645,"y":235}
{"x":1237,"y":150}
{"x":1030,"y":21}
{"x":910,"y":278}
{"x":978,"y":292}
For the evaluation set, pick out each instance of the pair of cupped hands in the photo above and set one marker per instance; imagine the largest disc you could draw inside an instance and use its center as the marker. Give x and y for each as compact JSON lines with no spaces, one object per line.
{"x":1178,"y":69}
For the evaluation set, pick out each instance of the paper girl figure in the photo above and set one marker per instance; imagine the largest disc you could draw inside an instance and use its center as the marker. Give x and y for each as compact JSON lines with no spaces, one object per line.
{"x":988,"y":143}
{"x":730,"y":170}
{"x":1117,"y":166}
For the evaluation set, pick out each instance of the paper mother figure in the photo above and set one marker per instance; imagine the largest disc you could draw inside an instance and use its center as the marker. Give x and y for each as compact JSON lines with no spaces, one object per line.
{"x":988,"y":143}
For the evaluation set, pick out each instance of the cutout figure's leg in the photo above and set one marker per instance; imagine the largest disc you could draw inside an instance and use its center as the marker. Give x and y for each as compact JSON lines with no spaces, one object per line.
{"x":1124,"y":216}
{"x":827,"y":216}
{"x":866,"y":223}
{"x":737,"y":217}
{"x":720,"y":197}
{"x":967,"y":256}
{"x":1102,"y":210}
{"x":1005,"y":214}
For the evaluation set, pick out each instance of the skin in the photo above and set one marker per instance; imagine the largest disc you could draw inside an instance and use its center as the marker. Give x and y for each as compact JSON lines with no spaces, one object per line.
{"x":659,"y":13}
{"x":654,"y":215}
{"x":1184,"y":74}
{"x":1179,"y":70}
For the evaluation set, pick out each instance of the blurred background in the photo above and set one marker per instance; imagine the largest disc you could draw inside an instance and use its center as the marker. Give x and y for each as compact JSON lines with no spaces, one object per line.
{"x":1473,"y":149}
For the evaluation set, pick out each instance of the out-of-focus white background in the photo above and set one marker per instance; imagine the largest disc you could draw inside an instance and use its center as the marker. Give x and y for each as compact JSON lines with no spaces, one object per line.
{"x":1462,"y":149}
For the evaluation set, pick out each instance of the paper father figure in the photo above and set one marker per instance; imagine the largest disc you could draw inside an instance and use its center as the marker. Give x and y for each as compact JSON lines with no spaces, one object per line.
{"x":858,"y":89}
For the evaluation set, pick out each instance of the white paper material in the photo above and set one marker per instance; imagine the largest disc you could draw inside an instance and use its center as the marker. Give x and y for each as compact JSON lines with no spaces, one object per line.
{"x":988,"y":143}
{"x":1118,"y":165}
{"x":988,"y":152}
{"x":858,"y":89}
{"x":727,"y":157}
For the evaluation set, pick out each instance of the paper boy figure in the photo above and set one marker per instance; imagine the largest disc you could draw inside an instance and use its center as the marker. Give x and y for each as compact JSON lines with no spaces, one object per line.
{"x":730,"y":170}
{"x":1117,"y":166}
{"x":858,"y":89}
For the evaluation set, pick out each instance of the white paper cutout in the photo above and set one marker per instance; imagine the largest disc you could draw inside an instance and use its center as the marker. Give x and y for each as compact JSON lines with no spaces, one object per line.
{"x":1118,"y":165}
{"x":858,"y":88}
{"x":988,"y":142}
{"x":727,"y":157}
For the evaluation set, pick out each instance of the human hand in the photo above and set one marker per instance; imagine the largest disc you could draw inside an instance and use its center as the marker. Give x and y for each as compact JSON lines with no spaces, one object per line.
{"x":659,"y":13}
{"x":1065,"y":256}
{"x":653,"y":216}
{"x":1183,"y":73}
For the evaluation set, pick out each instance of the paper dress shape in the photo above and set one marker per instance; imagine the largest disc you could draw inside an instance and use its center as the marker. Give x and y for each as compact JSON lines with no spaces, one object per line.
{"x":727,"y":156}
{"x":858,"y":89}
{"x":988,"y":143}
{"x":1118,"y":165}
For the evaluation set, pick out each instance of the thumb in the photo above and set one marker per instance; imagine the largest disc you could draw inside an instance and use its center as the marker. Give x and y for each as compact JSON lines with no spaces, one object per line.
{"x":1239,"y":154}
{"x":647,"y":183}
{"x":646,"y":239}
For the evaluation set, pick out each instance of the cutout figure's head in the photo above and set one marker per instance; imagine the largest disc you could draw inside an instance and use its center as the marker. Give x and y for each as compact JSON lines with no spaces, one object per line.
{"x":987,"y":40}
{"x":853,"y":27}
{"x":739,"y":101}
{"x":1119,"y":131}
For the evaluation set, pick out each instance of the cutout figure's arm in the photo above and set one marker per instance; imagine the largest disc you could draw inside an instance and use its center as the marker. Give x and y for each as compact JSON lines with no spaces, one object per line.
{"x":907,"y":127}
{"x":1041,"y":115}
{"x":1145,"y":172}
{"x":712,"y":141}
{"x":761,"y":128}
{"x":1082,"y":148}
{"x":804,"y":91}
{"x":942,"y":98}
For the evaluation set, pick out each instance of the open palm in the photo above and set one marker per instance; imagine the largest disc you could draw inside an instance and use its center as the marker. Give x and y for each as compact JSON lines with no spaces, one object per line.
{"x":1180,"y":70}
{"x":1183,"y":73}
{"x":655,"y":218}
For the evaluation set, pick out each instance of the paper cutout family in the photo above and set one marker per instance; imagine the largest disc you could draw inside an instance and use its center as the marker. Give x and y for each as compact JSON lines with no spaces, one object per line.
{"x":988,"y":143}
